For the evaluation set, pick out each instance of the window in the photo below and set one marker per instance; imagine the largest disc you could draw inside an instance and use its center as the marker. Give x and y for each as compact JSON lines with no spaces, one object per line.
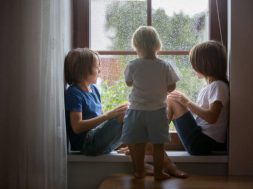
{"x":107,"y":27}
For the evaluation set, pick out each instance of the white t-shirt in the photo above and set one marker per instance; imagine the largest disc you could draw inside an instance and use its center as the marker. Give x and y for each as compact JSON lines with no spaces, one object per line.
{"x":150,"y":78}
{"x":215,"y":91}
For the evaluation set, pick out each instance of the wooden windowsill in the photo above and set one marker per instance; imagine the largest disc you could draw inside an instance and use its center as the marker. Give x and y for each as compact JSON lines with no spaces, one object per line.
{"x":176,"y":156}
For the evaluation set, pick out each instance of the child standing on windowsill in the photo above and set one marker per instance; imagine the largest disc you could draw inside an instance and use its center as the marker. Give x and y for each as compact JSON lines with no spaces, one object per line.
{"x":202,"y":126}
{"x":146,"y":120}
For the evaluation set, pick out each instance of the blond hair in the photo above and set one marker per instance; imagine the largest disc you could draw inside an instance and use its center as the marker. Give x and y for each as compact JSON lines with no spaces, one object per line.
{"x":146,"y":40}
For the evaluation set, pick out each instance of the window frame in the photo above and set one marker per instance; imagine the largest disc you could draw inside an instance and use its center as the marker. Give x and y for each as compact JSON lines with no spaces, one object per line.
{"x":81,"y":36}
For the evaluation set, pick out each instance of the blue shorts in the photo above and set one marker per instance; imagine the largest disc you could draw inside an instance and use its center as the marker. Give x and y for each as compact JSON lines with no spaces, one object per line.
{"x":145,"y":126}
{"x":194,"y":141}
{"x":103,"y":139}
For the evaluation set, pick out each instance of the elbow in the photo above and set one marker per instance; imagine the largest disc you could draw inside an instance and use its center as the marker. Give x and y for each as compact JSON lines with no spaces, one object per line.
{"x":75,"y":129}
{"x":212,"y":120}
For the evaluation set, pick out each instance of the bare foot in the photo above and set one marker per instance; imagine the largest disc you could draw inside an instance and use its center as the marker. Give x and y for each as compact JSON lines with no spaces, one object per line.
{"x":140,"y":175}
{"x":161,"y":176}
{"x":149,"y":169}
{"x":174,"y":171}
{"x":124,"y":150}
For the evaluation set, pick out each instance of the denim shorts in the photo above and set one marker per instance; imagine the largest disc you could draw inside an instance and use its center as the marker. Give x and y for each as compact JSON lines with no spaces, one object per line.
{"x":103,"y":139}
{"x":145,"y":126}
{"x":194,"y":141}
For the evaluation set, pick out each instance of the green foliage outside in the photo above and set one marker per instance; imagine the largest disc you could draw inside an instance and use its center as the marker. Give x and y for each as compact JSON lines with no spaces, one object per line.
{"x":177,"y":32}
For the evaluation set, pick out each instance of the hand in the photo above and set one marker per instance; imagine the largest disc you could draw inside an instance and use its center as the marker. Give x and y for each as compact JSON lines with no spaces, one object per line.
{"x":124,"y":150}
{"x":120,"y":110}
{"x":179,"y":97}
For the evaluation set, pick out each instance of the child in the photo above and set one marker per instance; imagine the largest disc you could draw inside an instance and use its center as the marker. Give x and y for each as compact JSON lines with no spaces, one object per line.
{"x":207,"y":130}
{"x":146,"y":119}
{"x":89,"y":130}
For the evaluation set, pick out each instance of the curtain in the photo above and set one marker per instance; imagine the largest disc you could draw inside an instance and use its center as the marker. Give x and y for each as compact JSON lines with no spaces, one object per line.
{"x":35,"y":36}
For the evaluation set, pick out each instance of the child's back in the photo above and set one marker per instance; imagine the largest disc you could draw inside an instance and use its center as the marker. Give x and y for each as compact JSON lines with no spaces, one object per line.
{"x":151,"y":78}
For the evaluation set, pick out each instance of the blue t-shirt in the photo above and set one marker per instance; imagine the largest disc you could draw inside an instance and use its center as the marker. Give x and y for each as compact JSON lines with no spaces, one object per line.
{"x":77,"y":100}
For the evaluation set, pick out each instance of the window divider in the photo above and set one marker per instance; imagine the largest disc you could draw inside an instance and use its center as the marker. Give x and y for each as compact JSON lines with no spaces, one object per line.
{"x":149,"y":12}
{"x":180,"y":52}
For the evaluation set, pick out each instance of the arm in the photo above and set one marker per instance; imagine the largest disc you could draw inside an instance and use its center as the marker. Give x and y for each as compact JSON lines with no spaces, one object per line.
{"x":210,"y":115}
{"x":79,"y":125}
{"x":128,"y":76}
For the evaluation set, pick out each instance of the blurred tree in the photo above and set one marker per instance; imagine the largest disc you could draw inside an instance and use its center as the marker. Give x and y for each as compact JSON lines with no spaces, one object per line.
{"x":177,"y":32}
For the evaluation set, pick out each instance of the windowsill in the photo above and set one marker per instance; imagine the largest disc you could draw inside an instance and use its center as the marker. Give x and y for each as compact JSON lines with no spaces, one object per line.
{"x":176,"y":156}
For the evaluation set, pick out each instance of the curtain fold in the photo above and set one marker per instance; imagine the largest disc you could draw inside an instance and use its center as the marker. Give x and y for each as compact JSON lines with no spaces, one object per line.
{"x":35,"y":36}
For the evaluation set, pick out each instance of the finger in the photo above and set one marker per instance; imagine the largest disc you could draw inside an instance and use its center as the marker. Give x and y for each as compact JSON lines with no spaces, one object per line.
{"x":122,"y":105}
{"x":122,"y":109}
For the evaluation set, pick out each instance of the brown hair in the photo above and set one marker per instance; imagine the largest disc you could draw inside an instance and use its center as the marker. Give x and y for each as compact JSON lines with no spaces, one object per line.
{"x":78,"y":65}
{"x":210,"y":59}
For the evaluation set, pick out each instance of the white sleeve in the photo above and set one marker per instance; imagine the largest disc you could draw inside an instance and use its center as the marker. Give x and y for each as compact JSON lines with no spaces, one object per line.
{"x":218,"y":93}
{"x":172,"y":76}
{"x":127,"y":73}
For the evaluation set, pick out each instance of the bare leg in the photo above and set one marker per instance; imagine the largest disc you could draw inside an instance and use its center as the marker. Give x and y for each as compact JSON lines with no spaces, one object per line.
{"x":170,"y":167}
{"x":169,"y":113}
{"x":158,"y":157}
{"x":176,"y":109}
{"x":120,"y":118}
{"x":137,"y":152}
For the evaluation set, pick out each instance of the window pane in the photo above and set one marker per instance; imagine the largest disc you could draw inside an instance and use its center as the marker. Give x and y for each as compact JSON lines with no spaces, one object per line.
{"x":111,"y":81}
{"x":181,"y":23}
{"x":114,"y":21}
{"x":114,"y":90}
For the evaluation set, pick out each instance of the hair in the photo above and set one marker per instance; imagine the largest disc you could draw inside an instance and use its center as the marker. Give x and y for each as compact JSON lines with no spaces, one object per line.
{"x":210,"y":59}
{"x":146,"y":40}
{"x":78,"y":65}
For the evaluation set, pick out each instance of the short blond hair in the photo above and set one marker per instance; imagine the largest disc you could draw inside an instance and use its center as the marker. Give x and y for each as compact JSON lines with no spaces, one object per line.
{"x":146,"y":40}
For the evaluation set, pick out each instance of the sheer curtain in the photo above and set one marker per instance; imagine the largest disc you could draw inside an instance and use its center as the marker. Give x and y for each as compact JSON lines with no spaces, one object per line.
{"x":35,"y":36}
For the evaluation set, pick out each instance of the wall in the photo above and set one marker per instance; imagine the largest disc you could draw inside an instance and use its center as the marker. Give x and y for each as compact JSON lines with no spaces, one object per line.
{"x":240,"y":50}
{"x":35,"y":36}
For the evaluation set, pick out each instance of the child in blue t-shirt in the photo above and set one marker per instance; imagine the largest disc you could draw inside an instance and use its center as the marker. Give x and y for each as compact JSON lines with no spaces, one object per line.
{"x":89,"y":129}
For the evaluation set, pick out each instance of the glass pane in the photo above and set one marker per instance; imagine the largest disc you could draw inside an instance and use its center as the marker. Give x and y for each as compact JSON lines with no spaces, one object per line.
{"x":111,"y":81}
{"x":181,"y":23}
{"x":114,"y":90}
{"x":114,"y":21}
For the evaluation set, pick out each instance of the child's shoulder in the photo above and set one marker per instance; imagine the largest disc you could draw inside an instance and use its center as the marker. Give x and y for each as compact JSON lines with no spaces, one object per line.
{"x":72,"y":89}
{"x":219,"y":85}
{"x":134,"y":61}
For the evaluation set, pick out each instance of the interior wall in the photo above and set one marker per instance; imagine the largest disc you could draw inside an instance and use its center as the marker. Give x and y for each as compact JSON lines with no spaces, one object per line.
{"x":35,"y":36}
{"x":240,"y":40}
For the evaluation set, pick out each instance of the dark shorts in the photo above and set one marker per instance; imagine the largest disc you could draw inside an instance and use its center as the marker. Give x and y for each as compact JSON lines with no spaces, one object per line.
{"x":194,"y":141}
{"x":103,"y":139}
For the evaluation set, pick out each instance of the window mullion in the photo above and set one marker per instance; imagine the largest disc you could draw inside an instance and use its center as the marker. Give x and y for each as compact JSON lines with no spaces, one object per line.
{"x":81,"y":17}
{"x":149,"y":12}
